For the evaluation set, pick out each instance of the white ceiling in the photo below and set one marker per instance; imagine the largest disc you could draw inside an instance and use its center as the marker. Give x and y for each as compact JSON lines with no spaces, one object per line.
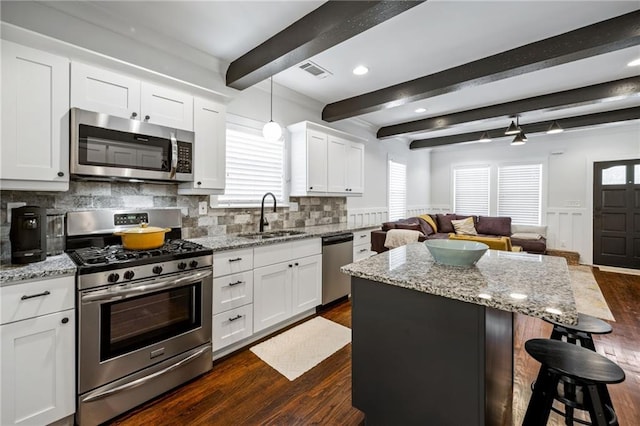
{"x":428,"y":38}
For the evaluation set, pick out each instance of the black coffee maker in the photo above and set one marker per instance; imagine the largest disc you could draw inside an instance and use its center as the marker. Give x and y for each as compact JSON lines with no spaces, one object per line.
{"x":28,"y":234}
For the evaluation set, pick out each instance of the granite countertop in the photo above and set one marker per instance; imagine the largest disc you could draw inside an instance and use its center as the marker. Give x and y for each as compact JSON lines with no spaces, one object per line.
{"x":52,"y":266}
{"x":234,"y":241}
{"x":533,"y":285}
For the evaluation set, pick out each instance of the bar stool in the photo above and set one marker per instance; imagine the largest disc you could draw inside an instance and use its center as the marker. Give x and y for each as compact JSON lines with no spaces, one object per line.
{"x":581,"y":332}
{"x":583,"y":370}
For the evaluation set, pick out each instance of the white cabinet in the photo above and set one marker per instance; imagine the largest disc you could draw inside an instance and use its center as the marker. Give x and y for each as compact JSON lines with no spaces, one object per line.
{"x":105,"y":91}
{"x":38,"y":352}
{"x":210,"y":149}
{"x":362,"y":245}
{"x":325,"y":162}
{"x":35,"y":120}
{"x":287,"y":288}
{"x":232,"y":297}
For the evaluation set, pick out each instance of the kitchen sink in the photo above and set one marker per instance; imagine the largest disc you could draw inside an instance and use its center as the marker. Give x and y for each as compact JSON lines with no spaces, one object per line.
{"x":270,"y":234}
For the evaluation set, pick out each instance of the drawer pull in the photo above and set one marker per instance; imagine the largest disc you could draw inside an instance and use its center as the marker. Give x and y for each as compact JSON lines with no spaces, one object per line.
{"x":237,"y":317}
{"x":237,"y":259}
{"x":236,"y":283}
{"x":363,"y":250}
{"x":363,"y":236}
{"x":65,"y":320}
{"x":31,"y":296}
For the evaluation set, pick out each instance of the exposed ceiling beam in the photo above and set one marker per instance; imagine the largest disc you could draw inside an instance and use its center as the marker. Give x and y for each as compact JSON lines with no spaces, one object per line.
{"x":624,"y":87}
{"x":596,"y":39}
{"x":566,"y":123}
{"x":330,"y":24}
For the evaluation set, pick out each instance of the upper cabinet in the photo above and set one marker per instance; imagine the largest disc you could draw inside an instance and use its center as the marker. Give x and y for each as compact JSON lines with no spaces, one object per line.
{"x":35,"y":120}
{"x":100,"y":90}
{"x":210,"y":149}
{"x":325,"y":162}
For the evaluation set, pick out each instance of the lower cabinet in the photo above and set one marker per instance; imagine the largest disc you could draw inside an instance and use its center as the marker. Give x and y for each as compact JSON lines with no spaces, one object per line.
{"x":362,"y":245}
{"x":232,"y":326}
{"x":286,"y":289}
{"x":38,"y":352}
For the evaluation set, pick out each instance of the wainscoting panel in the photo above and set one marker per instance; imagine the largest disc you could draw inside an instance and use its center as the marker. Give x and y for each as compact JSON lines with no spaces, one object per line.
{"x":367,"y":217}
{"x":567,"y":229}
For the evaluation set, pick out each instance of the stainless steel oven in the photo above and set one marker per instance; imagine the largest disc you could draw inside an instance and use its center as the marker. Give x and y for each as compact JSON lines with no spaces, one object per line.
{"x":144,"y":317}
{"x":105,"y":147}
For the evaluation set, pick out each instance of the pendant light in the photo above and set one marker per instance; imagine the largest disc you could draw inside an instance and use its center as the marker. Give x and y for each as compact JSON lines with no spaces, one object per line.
{"x":484,"y":137}
{"x":555,"y":128}
{"x":272,"y":130}
{"x":520,"y":139}
{"x":513,"y":128}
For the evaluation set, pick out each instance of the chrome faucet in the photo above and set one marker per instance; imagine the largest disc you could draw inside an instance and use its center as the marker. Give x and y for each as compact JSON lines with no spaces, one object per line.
{"x":263,"y":220}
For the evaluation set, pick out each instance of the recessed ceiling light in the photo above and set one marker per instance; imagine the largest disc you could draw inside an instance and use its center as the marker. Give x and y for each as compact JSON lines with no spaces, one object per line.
{"x":360,"y":70}
{"x":420,"y":110}
{"x":634,"y":63}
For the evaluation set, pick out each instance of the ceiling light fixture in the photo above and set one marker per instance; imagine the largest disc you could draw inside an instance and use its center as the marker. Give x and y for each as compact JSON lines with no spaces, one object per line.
{"x":420,"y":110}
{"x":360,"y":70}
{"x":272,"y":130}
{"x":634,"y":63}
{"x":514,"y":128}
{"x":485,"y":137}
{"x":555,"y":128}
{"x":519,"y":140}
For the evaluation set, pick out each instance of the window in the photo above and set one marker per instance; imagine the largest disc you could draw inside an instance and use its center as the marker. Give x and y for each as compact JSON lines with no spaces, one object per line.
{"x":254,"y":166}
{"x":471,"y":190}
{"x":520,"y":193}
{"x":397,"y":190}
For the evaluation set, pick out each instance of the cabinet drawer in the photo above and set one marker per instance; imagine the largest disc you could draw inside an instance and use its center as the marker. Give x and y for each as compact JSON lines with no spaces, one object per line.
{"x":304,"y":248}
{"x":361,"y":251}
{"x":284,"y":252}
{"x":232,"y":291}
{"x":232,"y":326}
{"x":232,"y":262}
{"x":36,"y":298}
{"x":361,"y":237}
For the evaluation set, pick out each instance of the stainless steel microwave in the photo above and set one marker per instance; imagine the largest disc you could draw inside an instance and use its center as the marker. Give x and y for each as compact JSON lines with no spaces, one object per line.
{"x":104,"y":147}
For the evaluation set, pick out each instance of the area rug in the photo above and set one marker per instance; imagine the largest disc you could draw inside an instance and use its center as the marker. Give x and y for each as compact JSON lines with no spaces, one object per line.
{"x":301,"y":348}
{"x":587,"y":294}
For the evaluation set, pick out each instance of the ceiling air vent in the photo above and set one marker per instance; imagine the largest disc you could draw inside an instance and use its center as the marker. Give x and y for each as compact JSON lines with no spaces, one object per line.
{"x":315,"y":70}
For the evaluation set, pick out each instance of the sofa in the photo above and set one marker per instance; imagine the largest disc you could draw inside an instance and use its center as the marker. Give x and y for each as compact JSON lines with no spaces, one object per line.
{"x":531,"y":239}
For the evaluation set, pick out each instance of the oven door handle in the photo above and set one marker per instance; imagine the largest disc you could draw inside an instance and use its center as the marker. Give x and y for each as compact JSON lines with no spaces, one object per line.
{"x":142,"y":380}
{"x":113,"y":293}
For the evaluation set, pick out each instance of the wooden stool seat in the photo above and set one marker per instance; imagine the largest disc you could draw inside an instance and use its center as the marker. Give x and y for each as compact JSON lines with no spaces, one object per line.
{"x":581,"y":332}
{"x":578,"y":370}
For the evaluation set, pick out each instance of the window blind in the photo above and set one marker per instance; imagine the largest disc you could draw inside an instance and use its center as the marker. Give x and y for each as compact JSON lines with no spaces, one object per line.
{"x":397,"y":190}
{"x":254,"y":166}
{"x":471,"y":190}
{"x":520,"y":193}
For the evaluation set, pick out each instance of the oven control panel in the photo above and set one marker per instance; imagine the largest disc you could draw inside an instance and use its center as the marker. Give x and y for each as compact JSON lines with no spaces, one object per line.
{"x":130,"y":218}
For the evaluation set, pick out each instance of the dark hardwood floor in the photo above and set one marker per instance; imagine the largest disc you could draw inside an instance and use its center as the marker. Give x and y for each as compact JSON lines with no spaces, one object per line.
{"x":243,"y":390}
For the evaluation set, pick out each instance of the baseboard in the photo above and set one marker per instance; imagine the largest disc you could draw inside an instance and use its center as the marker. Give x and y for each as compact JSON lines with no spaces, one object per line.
{"x":618,"y":270}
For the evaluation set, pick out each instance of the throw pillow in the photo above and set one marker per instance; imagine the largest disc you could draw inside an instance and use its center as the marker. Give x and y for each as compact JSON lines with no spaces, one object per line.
{"x":444,"y":222}
{"x":432,"y":223}
{"x":494,"y":225}
{"x":426,"y":228}
{"x":464,"y":226}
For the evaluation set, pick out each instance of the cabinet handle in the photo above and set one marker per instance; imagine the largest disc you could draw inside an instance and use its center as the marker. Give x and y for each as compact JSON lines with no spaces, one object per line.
{"x":65,"y":320}
{"x":296,"y":264}
{"x":134,"y":114}
{"x":237,"y":317}
{"x":147,"y":118}
{"x":311,"y":187}
{"x":290,"y":266}
{"x":31,"y":296}
{"x":199,"y":183}
{"x":363,"y":236}
{"x":237,"y":259}
{"x":60,"y":174}
{"x":236,"y":283}
{"x":363,"y":250}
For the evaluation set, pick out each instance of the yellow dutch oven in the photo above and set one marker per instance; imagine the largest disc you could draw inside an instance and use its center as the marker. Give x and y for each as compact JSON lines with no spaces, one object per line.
{"x":144,"y":237}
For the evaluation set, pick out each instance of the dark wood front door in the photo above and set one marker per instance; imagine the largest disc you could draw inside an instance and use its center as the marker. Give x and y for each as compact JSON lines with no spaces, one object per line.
{"x":616,"y":213}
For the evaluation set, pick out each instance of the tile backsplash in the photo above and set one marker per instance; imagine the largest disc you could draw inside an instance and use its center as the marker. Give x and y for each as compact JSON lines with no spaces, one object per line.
{"x":218,"y":221}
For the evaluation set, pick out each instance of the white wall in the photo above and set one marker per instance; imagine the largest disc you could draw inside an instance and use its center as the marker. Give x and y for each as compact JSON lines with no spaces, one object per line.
{"x":569,"y":157}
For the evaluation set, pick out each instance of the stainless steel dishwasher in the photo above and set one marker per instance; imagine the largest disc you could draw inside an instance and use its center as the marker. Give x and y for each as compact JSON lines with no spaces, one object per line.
{"x":337,"y":251}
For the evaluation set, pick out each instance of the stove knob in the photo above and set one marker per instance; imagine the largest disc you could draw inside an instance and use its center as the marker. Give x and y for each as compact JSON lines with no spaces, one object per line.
{"x":193,"y":263}
{"x":182,"y":265}
{"x":129,"y":275}
{"x":157,"y":269}
{"x":113,"y":277}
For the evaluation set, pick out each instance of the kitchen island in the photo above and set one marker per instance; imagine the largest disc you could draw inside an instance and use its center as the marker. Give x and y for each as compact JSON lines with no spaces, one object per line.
{"x":433,"y":344}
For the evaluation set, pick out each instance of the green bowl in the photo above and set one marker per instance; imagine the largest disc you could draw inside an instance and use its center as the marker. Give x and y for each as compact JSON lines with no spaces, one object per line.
{"x":456,"y":252}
